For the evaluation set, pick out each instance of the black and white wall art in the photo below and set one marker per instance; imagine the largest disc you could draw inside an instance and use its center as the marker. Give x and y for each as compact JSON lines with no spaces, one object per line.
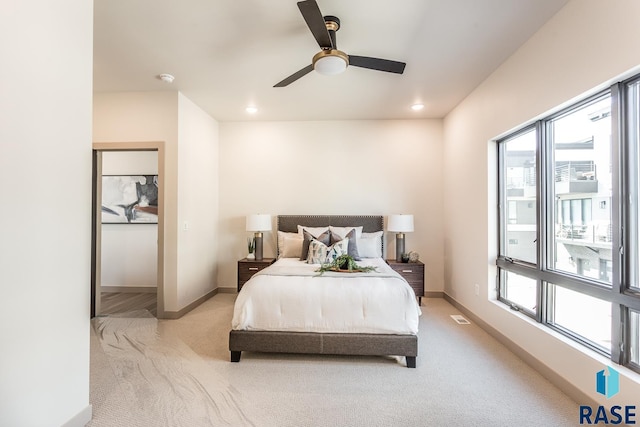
{"x":130,"y":199}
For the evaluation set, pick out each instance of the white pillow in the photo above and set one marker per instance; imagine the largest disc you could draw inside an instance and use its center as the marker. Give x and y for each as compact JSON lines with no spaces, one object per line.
{"x":281,"y":237}
{"x":343,"y":231}
{"x":370,"y":245}
{"x":314,"y":231}
{"x":292,"y":246}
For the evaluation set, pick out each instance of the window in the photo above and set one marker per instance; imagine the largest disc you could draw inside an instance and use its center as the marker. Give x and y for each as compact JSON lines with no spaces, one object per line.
{"x":582,"y":316}
{"x":520,"y":197}
{"x":520,"y":291}
{"x":569,"y":185}
{"x":635,"y":337}
{"x":633,"y":135}
{"x":580,"y":235}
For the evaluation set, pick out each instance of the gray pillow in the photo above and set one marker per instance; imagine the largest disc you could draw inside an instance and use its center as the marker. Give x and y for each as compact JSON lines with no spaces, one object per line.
{"x":352,"y":250}
{"x":308,"y":237}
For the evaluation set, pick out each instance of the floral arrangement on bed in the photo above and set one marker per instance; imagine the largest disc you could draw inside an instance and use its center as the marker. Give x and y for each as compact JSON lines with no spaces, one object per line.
{"x":345,"y":264}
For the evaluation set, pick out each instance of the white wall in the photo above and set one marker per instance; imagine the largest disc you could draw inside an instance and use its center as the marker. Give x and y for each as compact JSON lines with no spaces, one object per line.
{"x":143,"y":117}
{"x":185,"y":130}
{"x":197,"y":202}
{"x":332,"y":167}
{"x":129,"y":252}
{"x":586,"y":45}
{"x":45,"y":186}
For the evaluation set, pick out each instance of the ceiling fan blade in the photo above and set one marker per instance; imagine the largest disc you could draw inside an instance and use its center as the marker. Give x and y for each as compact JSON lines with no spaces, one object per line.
{"x":295,"y":76}
{"x":377,"y":64}
{"x":315,"y":21}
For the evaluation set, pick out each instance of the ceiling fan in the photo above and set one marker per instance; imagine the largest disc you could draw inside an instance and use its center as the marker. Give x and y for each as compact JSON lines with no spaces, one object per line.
{"x":330,"y":60}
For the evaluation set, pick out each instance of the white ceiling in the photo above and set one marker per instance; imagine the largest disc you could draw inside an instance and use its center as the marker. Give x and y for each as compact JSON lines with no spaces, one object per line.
{"x":228,"y":54}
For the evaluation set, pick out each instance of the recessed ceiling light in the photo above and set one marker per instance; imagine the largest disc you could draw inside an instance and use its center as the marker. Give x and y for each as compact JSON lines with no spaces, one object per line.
{"x":417,"y":107}
{"x":251,"y":109}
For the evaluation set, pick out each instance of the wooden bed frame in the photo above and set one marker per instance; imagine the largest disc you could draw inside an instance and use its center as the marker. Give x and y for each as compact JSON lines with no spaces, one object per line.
{"x":325,"y":343}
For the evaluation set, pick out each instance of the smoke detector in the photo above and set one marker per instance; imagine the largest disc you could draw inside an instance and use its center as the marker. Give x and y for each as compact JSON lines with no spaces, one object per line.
{"x":167,"y":78}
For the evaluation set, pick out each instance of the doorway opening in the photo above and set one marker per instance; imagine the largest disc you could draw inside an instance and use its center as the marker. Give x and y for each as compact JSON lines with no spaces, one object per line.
{"x":127,"y":249}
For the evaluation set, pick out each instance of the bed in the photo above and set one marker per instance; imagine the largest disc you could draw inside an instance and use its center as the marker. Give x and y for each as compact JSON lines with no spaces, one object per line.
{"x":289,"y":308}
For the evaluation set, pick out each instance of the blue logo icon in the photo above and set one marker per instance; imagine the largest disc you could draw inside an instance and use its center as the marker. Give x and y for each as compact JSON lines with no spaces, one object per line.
{"x":608,"y":384}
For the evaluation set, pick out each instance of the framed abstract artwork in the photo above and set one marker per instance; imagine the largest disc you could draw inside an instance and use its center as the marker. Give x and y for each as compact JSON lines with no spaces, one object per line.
{"x":130,"y":199}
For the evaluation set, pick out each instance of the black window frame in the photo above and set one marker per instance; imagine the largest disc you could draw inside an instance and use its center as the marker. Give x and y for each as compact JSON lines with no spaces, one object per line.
{"x":623,"y":291}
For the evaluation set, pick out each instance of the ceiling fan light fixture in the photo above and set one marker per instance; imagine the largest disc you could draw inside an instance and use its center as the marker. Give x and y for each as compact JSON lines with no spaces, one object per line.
{"x":330,"y":62}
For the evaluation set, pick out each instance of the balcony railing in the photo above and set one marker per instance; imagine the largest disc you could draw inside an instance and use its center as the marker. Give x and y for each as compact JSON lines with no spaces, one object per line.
{"x":576,"y":177}
{"x":570,"y":177}
{"x":576,"y":171}
{"x":592,"y":233}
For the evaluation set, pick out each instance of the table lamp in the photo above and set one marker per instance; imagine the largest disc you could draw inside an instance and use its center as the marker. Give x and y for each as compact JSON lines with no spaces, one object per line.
{"x":400,"y":224}
{"x":258,"y":223}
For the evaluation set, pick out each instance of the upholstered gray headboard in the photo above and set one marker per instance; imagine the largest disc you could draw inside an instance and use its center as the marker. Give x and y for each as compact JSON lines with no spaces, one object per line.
{"x":369,"y":223}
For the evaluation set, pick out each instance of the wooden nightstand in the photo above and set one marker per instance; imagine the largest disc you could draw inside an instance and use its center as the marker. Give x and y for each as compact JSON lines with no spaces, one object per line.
{"x":413,"y":272}
{"x":249,"y":267}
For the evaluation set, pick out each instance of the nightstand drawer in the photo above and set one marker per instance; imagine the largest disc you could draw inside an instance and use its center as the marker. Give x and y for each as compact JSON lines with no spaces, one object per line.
{"x":412,"y":272}
{"x":247,"y":268}
{"x":245,"y":272}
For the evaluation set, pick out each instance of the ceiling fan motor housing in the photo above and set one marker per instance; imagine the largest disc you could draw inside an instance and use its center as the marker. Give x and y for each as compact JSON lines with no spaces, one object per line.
{"x":333,"y":25}
{"x":330,"y":61}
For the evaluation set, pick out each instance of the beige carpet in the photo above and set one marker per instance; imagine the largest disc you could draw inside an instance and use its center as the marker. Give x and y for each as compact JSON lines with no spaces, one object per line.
{"x":146,"y":372}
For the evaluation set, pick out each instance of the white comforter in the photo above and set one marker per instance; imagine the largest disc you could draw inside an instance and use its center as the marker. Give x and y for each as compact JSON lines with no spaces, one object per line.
{"x":278,"y":299}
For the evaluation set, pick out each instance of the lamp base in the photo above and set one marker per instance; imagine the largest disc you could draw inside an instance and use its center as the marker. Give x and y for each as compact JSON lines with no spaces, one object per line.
{"x":399,"y":246}
{"x":258,"y":239}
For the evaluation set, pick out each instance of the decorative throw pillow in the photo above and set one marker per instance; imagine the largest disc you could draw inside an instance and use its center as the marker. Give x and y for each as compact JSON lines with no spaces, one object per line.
{"x":319,"y":253}
{"x":308,"y":237}
{"x":315,"y":231}
{"x":337,"y":249}
{"x":281,"y":236}
{"x":353,"y":244}
{"x":370,"y":245}
{"x":343,"y":231}
{"x":292,"y":247}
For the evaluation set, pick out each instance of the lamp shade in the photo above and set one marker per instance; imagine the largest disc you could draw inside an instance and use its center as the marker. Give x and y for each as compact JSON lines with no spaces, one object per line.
{"x":259,"y":222}
{"x":400,"y":223}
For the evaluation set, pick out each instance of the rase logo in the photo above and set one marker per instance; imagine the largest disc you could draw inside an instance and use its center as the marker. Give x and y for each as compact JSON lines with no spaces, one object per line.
{"x":608,"y":384}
